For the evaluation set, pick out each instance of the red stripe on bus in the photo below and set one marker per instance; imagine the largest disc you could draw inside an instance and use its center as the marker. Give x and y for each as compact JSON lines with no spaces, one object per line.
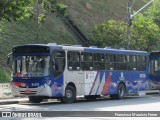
{"x":107,"y":84}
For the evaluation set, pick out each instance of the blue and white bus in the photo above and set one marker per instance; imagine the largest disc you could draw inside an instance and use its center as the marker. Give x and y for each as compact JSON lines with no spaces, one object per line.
{"x":154,"y":70}
{"x":42,"y":71}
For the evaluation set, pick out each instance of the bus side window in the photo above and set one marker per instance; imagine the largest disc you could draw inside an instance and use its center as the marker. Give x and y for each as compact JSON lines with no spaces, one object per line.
{"x":58,"y":63}
{"x":141,"y":63}
{"x":87,"y":61}
{"x":73,"y":58}
{"x":99,"y":61}
{"x":110,"y":61}
{"x":121,"y":62}
{"x":131,"y":63}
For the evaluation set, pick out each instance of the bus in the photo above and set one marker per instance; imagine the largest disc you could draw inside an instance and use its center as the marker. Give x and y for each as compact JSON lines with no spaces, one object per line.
{"x":42,"y":71}
{"x":154,"y":70}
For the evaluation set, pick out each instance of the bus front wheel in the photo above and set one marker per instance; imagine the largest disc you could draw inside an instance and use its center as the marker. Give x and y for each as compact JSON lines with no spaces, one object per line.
{"x":120,"y":92}
{"x":70,"y":95}
{"x":35,"y":99}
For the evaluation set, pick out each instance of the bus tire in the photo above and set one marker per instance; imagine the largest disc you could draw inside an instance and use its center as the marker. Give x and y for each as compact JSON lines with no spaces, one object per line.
{"x":70,"y":95}
{"x":35,"y":99}
{"x":120,"y":92}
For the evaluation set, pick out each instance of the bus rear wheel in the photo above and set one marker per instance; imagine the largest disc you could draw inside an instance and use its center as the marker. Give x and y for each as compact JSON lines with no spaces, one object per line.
{"x":120,"y":92}
{"x":35,"y":99}
{"x":70,"y":95}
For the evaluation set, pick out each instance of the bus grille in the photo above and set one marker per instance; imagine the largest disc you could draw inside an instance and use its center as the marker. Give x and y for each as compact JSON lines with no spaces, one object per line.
{"x":28,"y":93}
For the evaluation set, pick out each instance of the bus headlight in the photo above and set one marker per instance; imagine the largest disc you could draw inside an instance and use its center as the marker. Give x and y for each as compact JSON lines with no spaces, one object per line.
{"x":48,"y":82}
{"x":42,"y":86}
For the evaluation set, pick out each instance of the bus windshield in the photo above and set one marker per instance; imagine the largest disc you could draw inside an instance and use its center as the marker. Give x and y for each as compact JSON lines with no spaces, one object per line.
{"x":31,"y":66}
{"x":155,"y":67}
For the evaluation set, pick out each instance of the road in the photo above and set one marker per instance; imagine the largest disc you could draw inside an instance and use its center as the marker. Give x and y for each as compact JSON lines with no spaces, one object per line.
{"x":134,"y":103}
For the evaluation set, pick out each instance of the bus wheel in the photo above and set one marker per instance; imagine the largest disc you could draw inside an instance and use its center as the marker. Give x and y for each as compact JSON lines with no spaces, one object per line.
{"x":70,"y":95}
{"x":120,"y":93}
{"x":35,"y":99}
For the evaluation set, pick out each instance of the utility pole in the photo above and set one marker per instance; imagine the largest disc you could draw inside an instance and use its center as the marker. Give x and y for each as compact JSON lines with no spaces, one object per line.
{"x":129,"y":22}
{"x":130,"y":17}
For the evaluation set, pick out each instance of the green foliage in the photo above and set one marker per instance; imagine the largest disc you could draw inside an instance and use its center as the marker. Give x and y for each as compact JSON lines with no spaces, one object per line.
{"x":154,"y":12}
{"x":15,"y":9}
{"x":44,"y":8}
{"x":4,"y":76}
{"x":145,"y":32}
{"x":109,"y":33}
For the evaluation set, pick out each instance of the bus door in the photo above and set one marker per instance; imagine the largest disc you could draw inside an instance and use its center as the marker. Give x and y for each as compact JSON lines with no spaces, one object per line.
{"x":58,"y":66}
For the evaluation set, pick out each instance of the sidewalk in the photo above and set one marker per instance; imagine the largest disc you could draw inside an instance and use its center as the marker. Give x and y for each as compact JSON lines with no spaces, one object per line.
{"x":13,"y":100}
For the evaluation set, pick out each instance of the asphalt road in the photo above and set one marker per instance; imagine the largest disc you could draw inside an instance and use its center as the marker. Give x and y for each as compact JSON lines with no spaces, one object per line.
{"x":135,"y":103}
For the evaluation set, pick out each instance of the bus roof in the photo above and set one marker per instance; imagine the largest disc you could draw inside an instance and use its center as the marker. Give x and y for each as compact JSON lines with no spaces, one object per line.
{"x":90,"y":49}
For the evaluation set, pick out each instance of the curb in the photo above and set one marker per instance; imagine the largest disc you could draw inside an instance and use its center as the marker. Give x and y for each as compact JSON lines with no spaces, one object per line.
{"x":153,"y":92}
{"x":9,"y":101}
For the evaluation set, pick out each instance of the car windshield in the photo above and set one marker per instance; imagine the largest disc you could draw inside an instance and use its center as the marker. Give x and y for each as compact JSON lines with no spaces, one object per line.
{"x":31,"y":66}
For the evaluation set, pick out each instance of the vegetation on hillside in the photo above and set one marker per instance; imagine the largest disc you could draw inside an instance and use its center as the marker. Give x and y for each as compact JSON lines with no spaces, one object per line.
{"x":145,"y":31}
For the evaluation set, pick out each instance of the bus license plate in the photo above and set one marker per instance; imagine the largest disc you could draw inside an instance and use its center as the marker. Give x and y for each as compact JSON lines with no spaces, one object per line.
{"x":28,"y":91}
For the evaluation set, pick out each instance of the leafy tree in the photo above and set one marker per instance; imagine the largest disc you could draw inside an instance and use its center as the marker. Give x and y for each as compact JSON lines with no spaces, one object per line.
{"x":43,"y":9}
{"x":109,"y":33}
{"x":15,"y":9}
{"x":154,"y":12}
{"x":144,"y":34}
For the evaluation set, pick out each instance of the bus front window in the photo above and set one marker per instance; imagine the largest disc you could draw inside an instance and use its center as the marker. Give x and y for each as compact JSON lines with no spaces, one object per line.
{"x":155,"y":67}
{"x":31,"y":66}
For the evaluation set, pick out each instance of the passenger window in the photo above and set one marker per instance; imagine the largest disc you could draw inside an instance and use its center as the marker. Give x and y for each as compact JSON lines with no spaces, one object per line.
{"x":73,"y":60}
{"x":132,"y":62}
{"x":87,"y":61}
{"x":121,"y":62}
{"x":99,"y":61}
{"x":110,"y":61}
{"x":141,"y":63}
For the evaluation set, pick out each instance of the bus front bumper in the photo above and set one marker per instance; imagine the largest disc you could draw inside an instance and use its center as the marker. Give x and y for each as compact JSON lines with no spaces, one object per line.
{"x":44,"y":90}
{"x":153,"y":86}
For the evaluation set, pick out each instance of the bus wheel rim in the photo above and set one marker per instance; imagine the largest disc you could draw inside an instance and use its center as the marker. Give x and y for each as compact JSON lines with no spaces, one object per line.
{"x":69,"y":94}
{"x":121,"y":92}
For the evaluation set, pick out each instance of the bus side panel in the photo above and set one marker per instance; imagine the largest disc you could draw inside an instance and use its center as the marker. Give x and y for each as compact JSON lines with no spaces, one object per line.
{"x":106,"y":82}
{"x":134,"y":81}
{"x":58,"y":86}
{"x":75,"y":77}
{"x":97,"y":82}
{"x":138,"y":81}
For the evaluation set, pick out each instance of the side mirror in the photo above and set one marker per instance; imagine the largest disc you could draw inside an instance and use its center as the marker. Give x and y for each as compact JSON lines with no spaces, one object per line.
{"x":9,"y":60}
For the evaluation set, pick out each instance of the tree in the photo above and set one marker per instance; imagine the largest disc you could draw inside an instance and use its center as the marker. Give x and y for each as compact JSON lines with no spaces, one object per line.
{"x":109,"y":33}
{"x":43,"y":9}
{"x":154,"y":12}
{"x":15,"y":9}
{"x":144,"y":34}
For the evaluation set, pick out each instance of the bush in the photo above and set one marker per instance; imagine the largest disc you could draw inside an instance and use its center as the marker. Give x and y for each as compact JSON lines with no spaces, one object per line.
{"x":4,"y":75}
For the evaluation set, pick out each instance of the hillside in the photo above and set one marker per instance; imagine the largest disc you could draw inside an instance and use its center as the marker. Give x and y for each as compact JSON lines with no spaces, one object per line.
{"x":87,"y":13}
{"x":84,"y":13}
